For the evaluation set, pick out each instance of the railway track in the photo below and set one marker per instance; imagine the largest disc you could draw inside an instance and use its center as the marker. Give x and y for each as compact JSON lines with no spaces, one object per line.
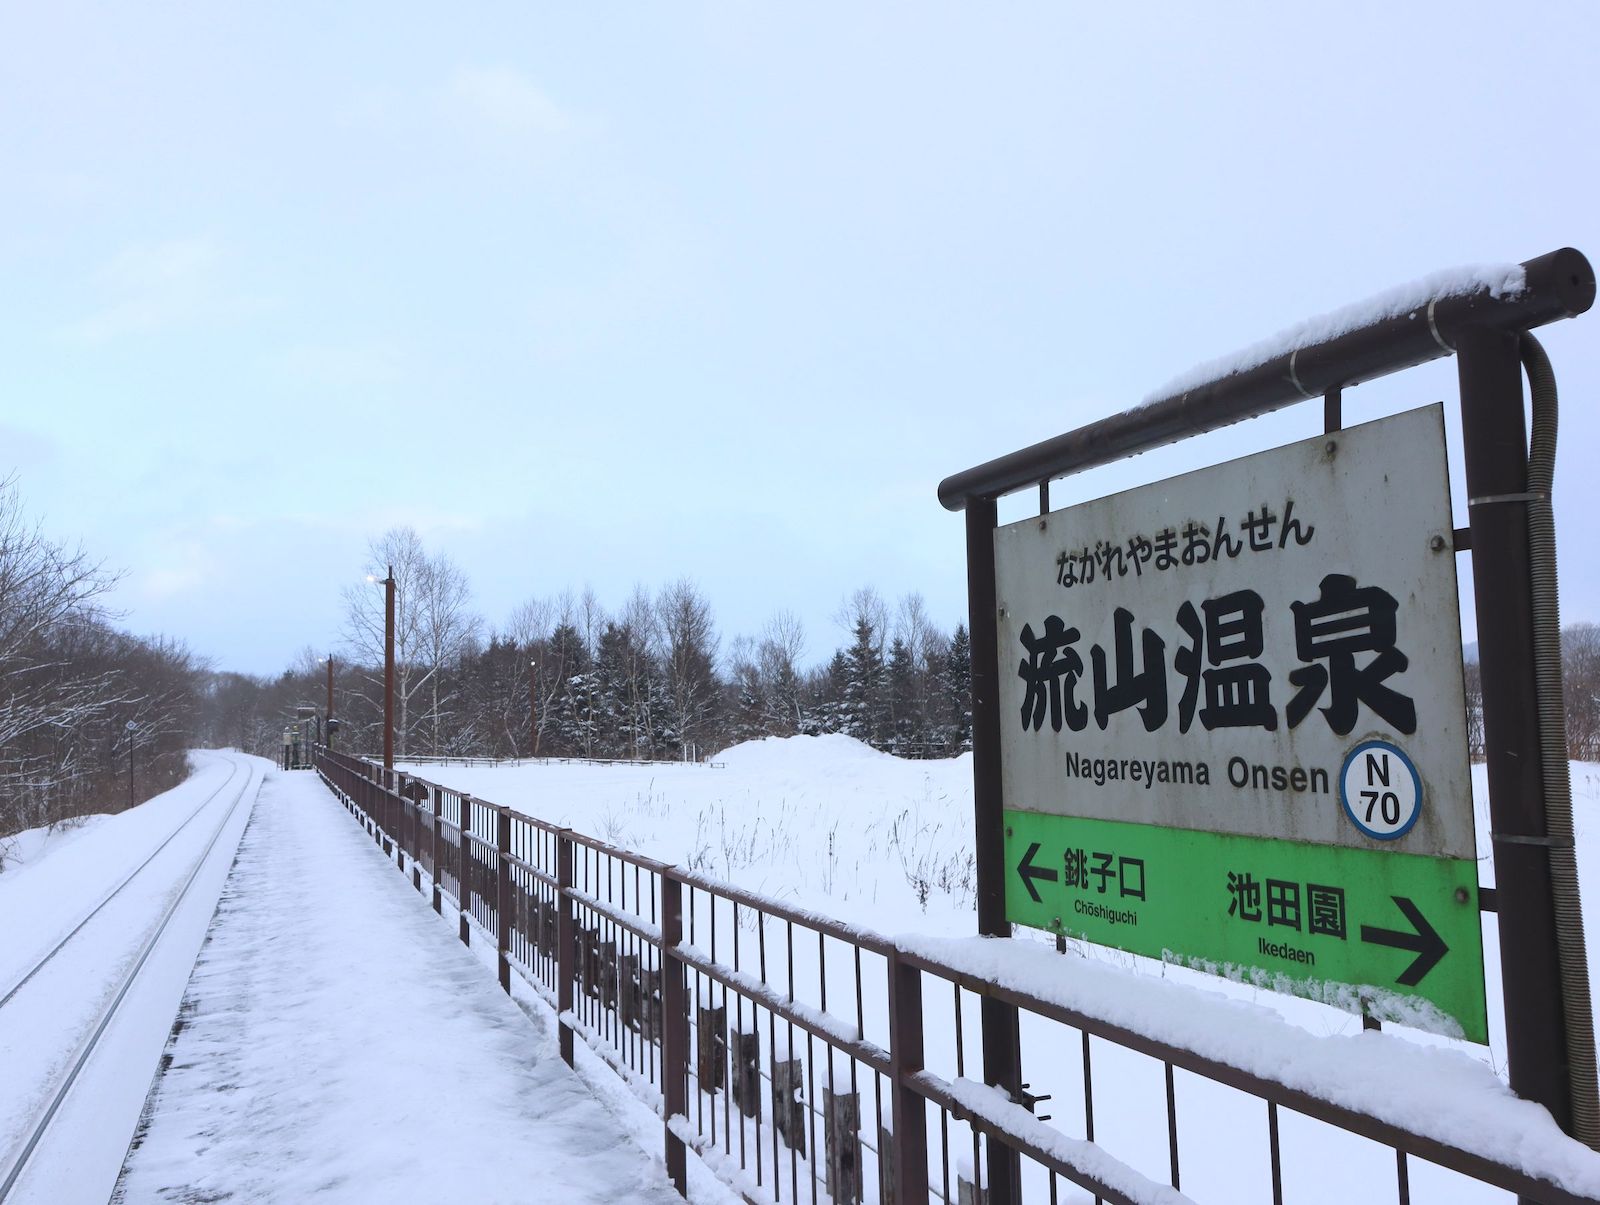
{"x":77,"y":994}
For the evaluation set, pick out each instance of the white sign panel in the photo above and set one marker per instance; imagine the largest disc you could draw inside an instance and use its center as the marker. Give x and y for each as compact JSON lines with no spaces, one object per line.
{"x":1268,"y":647}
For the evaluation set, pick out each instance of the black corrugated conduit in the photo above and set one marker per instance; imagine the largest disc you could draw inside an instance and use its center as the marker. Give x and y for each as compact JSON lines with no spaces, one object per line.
{"x":1553,"y":744}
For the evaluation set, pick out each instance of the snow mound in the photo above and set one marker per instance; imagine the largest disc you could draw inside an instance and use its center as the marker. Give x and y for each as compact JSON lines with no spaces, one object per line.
{"x":800,"y":752}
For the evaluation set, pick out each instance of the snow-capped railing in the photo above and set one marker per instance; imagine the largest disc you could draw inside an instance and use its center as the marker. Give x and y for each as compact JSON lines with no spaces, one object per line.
{"x":494,"y":762}
{"x":695,"y":992}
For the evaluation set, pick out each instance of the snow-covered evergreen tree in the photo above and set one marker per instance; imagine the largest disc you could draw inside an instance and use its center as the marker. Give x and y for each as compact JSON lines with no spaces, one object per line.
{"x":862,"y":708}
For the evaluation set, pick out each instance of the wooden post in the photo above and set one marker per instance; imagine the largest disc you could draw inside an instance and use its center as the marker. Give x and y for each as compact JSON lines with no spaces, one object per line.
{"x":711,"y":1048}
{"x":841,"y":1130}
{"x":747,"y":1073}
{"x":788,"y":1107}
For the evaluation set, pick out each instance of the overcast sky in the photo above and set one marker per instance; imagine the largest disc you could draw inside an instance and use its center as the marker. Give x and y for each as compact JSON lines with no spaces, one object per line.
{"x":717,"y":290}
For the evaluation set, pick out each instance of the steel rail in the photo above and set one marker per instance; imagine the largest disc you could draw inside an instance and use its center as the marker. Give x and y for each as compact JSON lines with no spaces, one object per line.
{"x":43,"y":1122}
{"x":117,"y":890}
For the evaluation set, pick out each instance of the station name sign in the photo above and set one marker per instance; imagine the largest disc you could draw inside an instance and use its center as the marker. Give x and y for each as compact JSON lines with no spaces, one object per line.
{"x":1233,"y":730}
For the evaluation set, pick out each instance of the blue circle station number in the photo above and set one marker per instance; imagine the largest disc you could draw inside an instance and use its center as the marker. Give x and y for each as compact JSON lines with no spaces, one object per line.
{"x":1380,"y":790}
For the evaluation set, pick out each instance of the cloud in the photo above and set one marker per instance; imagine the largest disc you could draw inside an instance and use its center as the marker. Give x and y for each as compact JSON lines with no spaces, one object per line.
{"x":151,"y":286}
{"x":506,"y":100}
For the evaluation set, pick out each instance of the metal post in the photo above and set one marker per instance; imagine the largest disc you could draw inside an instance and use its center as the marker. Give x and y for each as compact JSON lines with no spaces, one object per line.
{"x":1496,"y":449}
{"x":389,"y":669}
{"x":675,"y":1030}
{"x":397,"y":810}
{"x":464,"y":878}
{"x":909,"y":1113}
{"x":1002,"y":1042}
{"x":502,"y":895}
{"x":438,"y":844}
{"x":566,"y":942}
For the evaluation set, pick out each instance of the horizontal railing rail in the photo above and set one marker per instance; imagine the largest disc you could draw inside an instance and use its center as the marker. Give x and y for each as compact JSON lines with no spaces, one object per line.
{"x":791,"y":1050}
{"x":448,"y":759}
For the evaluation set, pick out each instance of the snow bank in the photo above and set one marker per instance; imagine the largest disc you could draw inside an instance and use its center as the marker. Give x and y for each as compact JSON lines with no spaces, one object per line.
{"x":800,"y":752}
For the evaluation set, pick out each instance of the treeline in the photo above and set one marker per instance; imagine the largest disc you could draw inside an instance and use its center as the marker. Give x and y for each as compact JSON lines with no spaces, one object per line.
{"x":565,"y":677}
{"x":80,"y":700}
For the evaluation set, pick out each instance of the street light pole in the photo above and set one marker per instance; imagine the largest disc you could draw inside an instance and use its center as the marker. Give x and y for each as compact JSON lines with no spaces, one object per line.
{"x":327,"y":721}
{"x":130,"y":727}
{"x":388,"y":670}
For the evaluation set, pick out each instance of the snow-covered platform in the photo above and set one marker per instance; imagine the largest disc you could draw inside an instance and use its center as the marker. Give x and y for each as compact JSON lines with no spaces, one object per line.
{"x":336,"y":1043}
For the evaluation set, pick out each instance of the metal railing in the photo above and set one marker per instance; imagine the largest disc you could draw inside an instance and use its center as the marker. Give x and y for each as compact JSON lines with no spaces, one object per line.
{"x":446,"y":759}
{"x":792,"y":1052}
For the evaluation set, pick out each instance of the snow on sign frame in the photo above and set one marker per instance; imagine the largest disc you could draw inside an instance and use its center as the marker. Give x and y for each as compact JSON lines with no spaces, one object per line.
{"x":1233,"y":728}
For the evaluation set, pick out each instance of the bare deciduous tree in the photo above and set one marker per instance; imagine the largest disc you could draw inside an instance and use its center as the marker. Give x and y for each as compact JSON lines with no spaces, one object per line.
{"x":432,"y":623}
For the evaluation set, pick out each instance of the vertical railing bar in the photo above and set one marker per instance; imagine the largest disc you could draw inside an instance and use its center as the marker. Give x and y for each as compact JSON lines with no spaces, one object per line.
{"x":827,"y":1049}
{"x":1402,"y":1177}
{"x":772,"y":1055}
{"x":755,"y":1024}
{"x":700,"y":1087}
{"x":1272,"y":1140}
{"x":788,"y":947}
{"x":1172,"y":1127}
{"x":817,"y":1154}
{"x":979,"y":1187}
{"x":861,"y":1031}
{"x":944,"y":1152}
{"x":611,"y":1017}
{"x":794,"y":1157}
{"x":738,"y":1005}
{"x":877,"y":1109}
{"x":1088,"y":1094}
{"x":822,"y":970}
{"x":961,"y":1058}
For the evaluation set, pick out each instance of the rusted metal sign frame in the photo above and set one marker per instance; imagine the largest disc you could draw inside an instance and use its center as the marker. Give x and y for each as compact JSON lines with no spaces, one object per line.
{"x":1483,"y":332}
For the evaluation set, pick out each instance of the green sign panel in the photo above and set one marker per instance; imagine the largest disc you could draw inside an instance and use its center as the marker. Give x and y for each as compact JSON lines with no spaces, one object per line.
{"x":1389,"y":934}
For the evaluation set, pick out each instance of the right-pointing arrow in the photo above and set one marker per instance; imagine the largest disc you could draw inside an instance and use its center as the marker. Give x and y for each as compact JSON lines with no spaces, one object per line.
{"x":1425,"y":941}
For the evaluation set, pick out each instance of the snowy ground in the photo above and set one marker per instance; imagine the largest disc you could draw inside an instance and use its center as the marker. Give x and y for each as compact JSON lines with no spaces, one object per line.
{"x":829,"y":824}
{"x":49,"y":1016}
{"x":312,"y":1062}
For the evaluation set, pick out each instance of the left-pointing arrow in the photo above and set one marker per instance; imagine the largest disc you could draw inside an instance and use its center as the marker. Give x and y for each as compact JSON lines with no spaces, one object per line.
{"x":1030,"y":872}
